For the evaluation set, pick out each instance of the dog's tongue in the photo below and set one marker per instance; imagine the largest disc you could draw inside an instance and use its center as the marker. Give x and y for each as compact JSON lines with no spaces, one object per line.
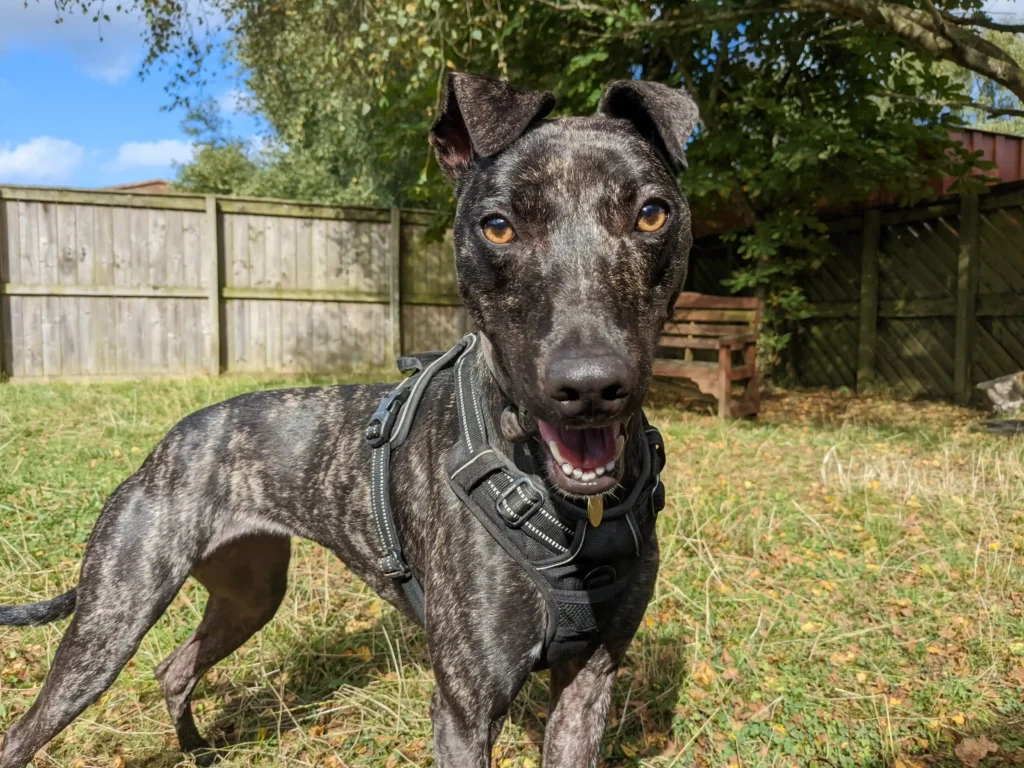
{"x":588,"y":448}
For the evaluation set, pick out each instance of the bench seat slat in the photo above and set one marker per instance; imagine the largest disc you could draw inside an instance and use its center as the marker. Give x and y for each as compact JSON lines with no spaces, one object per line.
{"x":701,"y":300}
{"x":744,"y":316}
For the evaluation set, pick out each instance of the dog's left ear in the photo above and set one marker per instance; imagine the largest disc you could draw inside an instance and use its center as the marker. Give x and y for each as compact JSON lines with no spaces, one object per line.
{"x":480,"y":117}
{"x":664,"y":116}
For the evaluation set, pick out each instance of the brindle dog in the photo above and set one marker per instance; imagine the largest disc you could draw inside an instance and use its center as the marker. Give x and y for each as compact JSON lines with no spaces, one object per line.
{"x":571,"y":244}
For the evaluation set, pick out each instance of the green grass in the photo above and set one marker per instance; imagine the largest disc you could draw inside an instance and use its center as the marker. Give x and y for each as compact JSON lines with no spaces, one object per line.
{"x":841,"y":585}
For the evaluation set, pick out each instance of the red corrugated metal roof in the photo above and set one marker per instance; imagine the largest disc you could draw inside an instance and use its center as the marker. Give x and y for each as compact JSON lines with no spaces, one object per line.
{"x":1007,"y":152}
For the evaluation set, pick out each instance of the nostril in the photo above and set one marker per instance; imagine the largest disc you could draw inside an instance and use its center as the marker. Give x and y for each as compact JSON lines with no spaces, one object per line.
{"x":614,"y":392}
{"x":567,"y":395}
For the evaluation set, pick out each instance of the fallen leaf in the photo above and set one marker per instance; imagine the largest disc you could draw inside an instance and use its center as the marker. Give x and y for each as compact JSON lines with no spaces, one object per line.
{"x":972,"y":751}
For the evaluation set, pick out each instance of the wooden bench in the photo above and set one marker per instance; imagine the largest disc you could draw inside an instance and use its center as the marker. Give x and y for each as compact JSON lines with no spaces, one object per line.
{"x":700,"y":343}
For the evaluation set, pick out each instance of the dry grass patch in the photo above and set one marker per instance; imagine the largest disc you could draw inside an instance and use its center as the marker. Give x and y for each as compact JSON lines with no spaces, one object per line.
{"x":841,"y":586}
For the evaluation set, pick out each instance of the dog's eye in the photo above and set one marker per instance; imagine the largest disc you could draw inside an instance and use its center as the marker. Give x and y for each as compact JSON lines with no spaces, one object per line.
{"x":652,"y":218}
{"x":499,"y":231}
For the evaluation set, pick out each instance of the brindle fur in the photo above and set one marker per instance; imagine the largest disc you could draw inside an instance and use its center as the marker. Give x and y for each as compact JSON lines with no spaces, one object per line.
{"x":223,"y":492}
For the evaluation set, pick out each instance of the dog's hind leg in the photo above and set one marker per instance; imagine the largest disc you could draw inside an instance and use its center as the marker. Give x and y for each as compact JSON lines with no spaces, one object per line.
{"x":133,"y":566}
{"x":246,"y":580}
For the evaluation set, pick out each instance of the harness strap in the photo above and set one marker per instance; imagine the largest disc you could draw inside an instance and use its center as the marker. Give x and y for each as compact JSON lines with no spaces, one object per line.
{"x":388,"y":428}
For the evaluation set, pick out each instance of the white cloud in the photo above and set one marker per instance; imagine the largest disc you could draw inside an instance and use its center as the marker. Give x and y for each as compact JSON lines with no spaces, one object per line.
{"x":114,"y":70}
{"x":108,"y":51}
{"x":153,"y":154}
{"x":39,"y":160}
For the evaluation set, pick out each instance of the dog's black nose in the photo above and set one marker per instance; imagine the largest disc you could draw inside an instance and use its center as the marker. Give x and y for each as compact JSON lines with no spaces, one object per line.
{"x":588,"y":386}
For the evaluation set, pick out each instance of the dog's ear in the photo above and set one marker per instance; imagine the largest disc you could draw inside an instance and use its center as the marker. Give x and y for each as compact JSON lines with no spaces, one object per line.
{"x":481,"y":116}
{"x":664,"y":116}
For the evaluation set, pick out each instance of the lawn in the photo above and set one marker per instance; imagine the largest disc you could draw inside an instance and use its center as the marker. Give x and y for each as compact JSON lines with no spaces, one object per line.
{"x":841,"y":585}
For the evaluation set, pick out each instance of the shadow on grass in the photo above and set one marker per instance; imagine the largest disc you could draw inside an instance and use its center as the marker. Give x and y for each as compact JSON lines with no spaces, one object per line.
{"x":304,"y":693}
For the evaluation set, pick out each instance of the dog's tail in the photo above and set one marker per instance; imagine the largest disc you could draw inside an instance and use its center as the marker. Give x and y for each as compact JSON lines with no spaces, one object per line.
{"x":38,"y":613}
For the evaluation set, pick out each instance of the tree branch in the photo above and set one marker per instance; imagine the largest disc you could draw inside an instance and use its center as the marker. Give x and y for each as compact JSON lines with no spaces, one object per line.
{"x":981,"y":21}
{"x":960,"y":104}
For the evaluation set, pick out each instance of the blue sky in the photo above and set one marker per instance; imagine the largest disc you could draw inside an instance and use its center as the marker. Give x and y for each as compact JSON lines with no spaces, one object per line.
{"x":73,"y":111}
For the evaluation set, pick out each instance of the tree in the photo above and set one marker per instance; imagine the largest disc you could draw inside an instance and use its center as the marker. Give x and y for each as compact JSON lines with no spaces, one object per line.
{"x":802,"y":101}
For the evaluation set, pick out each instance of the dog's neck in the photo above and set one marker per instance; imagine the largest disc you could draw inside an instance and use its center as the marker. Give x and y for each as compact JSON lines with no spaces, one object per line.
{"x":494,"y":389}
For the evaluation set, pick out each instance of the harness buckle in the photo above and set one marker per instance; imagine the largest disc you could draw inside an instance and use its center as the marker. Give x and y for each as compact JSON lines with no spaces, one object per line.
{"x":534,"y":497}
{"x":393,"y":566}
{"x":378,"y":431}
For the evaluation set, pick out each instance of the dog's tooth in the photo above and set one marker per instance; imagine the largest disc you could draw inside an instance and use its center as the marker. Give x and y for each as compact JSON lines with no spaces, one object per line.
{"x":567,"y":468}
{"x":553,"y":447}
{"x":609,"y":466}
{"x":620,"y":443}
{"x":600,"y":471}
{"x":588,"y":476}
{"x":577,"y":473}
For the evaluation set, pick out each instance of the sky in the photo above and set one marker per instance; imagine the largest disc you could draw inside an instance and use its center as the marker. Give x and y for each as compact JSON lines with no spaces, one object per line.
{"x":74,"y":112}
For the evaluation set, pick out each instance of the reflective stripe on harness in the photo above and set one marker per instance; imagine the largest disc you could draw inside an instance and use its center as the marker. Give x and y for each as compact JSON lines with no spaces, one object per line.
{"x":578,"y":569}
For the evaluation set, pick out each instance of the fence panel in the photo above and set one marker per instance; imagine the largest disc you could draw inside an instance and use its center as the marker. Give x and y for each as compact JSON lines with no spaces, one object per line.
{"x":106,"y":284}
{"x":927,"y":301}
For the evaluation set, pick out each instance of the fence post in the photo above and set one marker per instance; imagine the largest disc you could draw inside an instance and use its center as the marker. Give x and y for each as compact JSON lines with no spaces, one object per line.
{"x":5,"y":267}
{"x":394,"y":350}
{"x":215,"y":267}
{"x":868,"y":333}
{"x":966,"y":292}
{"x":4,"y":300}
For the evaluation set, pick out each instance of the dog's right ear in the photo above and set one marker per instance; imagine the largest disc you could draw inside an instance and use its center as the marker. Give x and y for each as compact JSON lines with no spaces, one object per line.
{"x":480,"y":117}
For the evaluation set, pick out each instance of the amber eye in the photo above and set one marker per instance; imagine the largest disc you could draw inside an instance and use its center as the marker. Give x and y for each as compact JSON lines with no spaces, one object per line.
{"x":499,"y":231}
{"x":652,"y":218}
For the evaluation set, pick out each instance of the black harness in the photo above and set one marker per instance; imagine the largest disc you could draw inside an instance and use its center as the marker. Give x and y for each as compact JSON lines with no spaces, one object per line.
{"x":580,"y":569}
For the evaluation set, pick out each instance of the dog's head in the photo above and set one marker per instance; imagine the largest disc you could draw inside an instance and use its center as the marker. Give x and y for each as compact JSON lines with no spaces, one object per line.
{"x":571,"y":244}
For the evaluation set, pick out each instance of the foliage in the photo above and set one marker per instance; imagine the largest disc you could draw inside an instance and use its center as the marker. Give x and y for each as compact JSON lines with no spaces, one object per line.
{"x":804,"y":103}
{"x":840,"y":586}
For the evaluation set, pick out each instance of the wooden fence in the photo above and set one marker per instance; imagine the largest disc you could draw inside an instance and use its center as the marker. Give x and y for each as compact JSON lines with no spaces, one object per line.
{"x":109,"y":284}
{"x":927,"y":301}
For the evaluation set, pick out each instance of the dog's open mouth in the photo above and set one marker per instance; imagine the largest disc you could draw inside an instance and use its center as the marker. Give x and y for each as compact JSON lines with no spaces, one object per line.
{"x":583,"y":461}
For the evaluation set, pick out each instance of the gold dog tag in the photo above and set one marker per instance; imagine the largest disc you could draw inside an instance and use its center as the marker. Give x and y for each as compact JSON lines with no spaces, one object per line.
{"x":595,"y":509}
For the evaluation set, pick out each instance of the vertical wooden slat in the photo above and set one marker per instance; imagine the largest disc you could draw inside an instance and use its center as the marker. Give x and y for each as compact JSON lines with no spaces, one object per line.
{"x":395,"y":280}
{"x":214,"y":261}
{"x":6,"y":337}
{"x":966,"y":291}
{"x":868,"y":333}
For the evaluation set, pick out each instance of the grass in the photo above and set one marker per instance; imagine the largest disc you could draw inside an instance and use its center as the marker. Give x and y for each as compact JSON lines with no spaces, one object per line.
{"x":841,"y":586}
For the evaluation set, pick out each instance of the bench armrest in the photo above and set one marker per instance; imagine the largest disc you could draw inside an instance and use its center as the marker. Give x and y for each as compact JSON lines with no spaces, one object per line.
{"x":738,"y":341}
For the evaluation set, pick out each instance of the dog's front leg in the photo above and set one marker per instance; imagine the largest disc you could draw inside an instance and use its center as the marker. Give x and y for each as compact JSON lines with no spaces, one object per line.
{"x":483,"y":647}
{"x":581,"y":693}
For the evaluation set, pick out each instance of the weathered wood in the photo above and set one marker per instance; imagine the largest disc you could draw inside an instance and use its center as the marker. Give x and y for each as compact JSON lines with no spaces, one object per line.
{"x":302,"y":210}
{"x":109,"y":291}
{"x":911,"y":215}
{"x":966,"y":291}
{"x":690,"y":300}
{"x":213,"y":259}
{"x":395,"y":284}
{"x":104,"y":198}
{"x":868,"y":328}
{"x":6,"y":336}
{"x":722,"y":325}
{"x":283,"y":294}
{"x":433,"y":299}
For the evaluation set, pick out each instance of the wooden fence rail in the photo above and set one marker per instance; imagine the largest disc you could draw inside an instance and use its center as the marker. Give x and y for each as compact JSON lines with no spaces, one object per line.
{"x":109,"y":284}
